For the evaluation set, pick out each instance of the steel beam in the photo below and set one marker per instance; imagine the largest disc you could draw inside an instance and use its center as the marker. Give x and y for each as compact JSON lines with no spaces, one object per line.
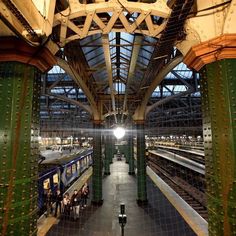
{"x":140,"y":111}
{"x":32,"y":23}
{"x":92,"y":13}
{"x":71,"y":101}
{"x":65,"y":66}
{"x":106,"y":48}
{"x":133,"y":62}
{"x":167,"y":99}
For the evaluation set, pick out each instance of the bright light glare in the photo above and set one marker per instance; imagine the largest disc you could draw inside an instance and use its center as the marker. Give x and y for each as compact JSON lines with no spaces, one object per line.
{"x":119,"y":132}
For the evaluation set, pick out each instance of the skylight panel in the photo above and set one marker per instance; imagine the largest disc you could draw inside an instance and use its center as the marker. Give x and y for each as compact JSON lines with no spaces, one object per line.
{"x":180,"y":88}
{"x":56,"y":70}
{"x":170,"y":76}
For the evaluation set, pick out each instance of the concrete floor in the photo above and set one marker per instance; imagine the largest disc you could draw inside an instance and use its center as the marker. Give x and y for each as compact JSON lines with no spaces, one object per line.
{"x":159,"y":217}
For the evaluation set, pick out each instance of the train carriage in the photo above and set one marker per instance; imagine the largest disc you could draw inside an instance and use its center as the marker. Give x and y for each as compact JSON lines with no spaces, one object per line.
{"x":61,"y":173}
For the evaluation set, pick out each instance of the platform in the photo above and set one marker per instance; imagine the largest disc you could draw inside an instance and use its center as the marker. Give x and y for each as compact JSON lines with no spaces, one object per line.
{"x":183,"y":161}
{"x":45,"y":223}
{"x":159,"y":217}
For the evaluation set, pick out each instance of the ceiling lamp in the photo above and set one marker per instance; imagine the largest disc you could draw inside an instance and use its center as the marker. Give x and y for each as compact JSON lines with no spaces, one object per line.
{"x":119,"y":132}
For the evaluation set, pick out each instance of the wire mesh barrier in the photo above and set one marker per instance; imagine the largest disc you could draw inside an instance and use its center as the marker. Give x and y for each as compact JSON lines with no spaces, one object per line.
{"x":156,"y":217}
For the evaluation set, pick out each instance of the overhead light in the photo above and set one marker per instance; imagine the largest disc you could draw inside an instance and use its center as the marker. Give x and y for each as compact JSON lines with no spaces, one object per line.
{"x":119,"y":132}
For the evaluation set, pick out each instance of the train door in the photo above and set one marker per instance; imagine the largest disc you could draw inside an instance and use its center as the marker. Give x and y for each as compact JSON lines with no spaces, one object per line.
{"x":46,"y":187}
{"x":73,"y":168}
{"x":55,"y":183}
{"x":68,"y":172}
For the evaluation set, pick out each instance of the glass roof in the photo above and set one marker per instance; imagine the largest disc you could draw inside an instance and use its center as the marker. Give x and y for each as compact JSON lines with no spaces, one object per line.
{"x":179,"y":72}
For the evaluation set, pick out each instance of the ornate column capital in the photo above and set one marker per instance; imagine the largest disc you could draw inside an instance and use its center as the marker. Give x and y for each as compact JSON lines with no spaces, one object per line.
{"x":218,"y":48}
{"x":14,"y":49}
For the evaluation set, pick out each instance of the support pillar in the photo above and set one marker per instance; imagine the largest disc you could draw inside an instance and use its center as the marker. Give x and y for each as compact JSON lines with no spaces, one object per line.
{"x":126,"y":152}
{"x":108,"y":153}
{"x":19,"y":131}
{"x":218,"y":89}
{"x":131,"y":154}
{"x":112,"y":148}
{"x":141,"y":165}
{"x":97,"y":165}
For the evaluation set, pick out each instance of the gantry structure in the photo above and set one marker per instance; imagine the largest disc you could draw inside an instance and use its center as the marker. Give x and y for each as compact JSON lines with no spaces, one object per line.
{"x":119,"y":62}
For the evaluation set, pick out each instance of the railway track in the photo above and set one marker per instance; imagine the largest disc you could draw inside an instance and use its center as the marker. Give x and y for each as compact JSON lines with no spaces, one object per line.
{"x":195,"y":198}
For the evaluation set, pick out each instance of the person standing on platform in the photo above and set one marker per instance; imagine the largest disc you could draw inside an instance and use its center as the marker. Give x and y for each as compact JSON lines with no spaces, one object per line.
{"x":66,"y":205}
{"x":49,"y":202}
{"x":84,"y":195}
{"x":58,"y":200}
{"x":75,"y":201}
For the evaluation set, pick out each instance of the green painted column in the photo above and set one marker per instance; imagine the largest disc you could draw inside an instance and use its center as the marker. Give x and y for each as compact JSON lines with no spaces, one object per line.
{"x":19,"y":131}
{"x":112,"y":147}
{"x":108,"y":150}
{"x":218,"y":89}
{"x":97,"y":166}
{"x":141,"y":165}
{"x":126,"y":152}
{"x":130,"y":145}
{"x":114,"y":150}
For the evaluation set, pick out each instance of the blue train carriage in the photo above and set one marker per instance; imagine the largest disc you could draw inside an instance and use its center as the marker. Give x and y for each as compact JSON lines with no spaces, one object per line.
{"x":61,"y":173}
{"x":71,"y":170}
{"x":48,"y":180}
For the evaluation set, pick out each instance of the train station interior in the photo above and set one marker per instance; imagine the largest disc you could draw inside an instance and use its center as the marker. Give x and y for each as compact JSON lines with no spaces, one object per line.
{"x":117,"y":117}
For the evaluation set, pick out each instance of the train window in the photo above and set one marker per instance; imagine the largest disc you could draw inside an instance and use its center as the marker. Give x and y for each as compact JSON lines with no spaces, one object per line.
{"x":68,"y":171}
{"x":81,"y":164}
{"x":73,"y":168}
{"x":46,"y":183}
{"x":78,"y":166}
{"x":55,"y":179}
{"x":84,"y":162}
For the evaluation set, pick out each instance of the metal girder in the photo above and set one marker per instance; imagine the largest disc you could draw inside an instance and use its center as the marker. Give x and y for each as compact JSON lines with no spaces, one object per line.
{"x":141,"y":110}
{"x":133,"y":62}
{"x":106,"y":48}
{"x":164,"y":49}
{"x":32,"y":23}
{"x":167,"y":99}
{"x":92,"y":21}
{"x":65,"y":66}
{"x":56,"y":82}
{"x":181,"y":79}
{"x":71,"y":101}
